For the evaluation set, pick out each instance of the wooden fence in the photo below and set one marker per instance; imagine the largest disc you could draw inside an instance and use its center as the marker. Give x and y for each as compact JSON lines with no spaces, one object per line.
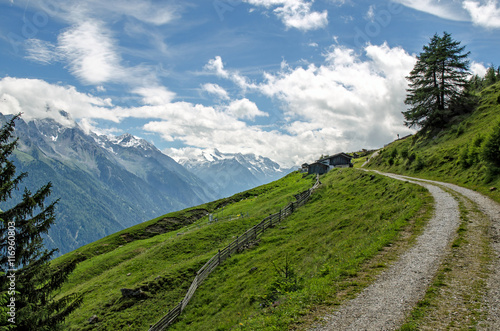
{"x":240,"y":243}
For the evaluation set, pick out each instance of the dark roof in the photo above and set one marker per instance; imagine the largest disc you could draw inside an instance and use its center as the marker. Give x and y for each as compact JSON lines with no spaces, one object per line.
{"x":338,"y":154}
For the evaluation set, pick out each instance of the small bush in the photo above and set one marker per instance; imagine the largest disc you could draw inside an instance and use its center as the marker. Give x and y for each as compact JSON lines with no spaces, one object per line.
{"x":419,"y":163}
{"x":404,"y":153}
{"x":412,"y":157}
{"x":286,"y":281}
{"x":460,"y":129}
{"x":394,"y":153}
{"x":463,"y":158}
{"x":492,"y":173}
{"x":491,"y":147}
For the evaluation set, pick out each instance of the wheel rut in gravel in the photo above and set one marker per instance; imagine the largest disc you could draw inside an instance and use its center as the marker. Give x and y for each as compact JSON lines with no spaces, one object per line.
{"x":386,"y":303}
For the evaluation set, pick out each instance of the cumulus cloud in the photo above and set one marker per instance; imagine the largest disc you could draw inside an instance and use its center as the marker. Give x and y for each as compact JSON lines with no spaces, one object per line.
{"x":245,"y":109}
{"x":192,"y":124}
{"x":358,"y":100}
{"x":478,"y":69}
{"x":216,"y":90}
{"x":216,"y":66}
{"x":486,"y":14}
{"x":295,"y":13}
{"x":155,"y":96}
{"x":343,"y":103}
{"x":38,"y":99}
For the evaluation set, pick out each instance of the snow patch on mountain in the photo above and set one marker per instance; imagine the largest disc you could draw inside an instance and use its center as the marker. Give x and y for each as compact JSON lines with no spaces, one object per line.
{"x":229,"y":173}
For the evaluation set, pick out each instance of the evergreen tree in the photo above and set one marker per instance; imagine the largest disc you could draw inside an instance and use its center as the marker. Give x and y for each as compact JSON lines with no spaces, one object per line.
{"x":28,"y":278}
{"x":436,"y":82}
{"x":490,"y":77}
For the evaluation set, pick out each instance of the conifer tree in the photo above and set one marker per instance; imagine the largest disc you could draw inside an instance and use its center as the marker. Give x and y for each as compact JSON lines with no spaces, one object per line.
{"x":490,"y":77}
{"x":436,"y":82}
{"x":28,"y":278}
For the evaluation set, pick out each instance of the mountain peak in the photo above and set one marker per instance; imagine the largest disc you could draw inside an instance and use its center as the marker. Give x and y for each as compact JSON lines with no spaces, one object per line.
{"x":129,"y":140}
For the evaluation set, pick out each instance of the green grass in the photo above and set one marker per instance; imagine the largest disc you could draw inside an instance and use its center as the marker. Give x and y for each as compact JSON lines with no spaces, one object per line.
{"x":452,"y":155}
{"x":350,"y":219}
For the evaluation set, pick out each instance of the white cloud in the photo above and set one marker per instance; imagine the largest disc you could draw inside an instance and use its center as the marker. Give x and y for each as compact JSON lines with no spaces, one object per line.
{"x":216,"y":90}
{"x":486,"y":14}
{"x":295,"y":13}
{"x":342,"y":104}
{"x":145,"y":11}
{"x":41,"y":51}
{"x":216,"y":66}
{"x":447,"y":9}
{"x":371,"y":13}
{"x":478,"y":69}
{"x":245,"y":109}
{"x":89,"y":47}
{"x":91,"y":53}
{"x":155,"y":96}
{"x":349,"y":100}
{"x":38,"y":99}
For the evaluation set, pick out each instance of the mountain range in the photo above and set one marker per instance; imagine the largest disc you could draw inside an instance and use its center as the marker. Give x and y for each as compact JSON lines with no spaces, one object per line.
{"x":107,"y":183}
{"x":230,"y":173}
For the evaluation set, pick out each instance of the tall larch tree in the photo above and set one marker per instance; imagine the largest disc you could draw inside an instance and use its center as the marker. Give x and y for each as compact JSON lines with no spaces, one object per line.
{"x":436,"y":83}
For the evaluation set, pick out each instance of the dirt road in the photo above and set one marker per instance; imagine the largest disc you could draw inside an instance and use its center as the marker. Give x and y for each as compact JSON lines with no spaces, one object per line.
{"x":386,"y":303}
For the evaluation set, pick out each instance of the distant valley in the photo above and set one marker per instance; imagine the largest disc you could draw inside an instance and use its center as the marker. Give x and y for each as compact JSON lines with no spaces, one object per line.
{"x":105,"y":183}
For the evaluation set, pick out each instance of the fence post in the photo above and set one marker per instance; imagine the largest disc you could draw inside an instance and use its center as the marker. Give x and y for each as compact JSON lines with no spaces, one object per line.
{"x":219,"y":257}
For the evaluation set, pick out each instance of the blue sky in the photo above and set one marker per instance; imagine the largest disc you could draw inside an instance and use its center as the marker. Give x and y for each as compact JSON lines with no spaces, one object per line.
{"x":287,"y":79}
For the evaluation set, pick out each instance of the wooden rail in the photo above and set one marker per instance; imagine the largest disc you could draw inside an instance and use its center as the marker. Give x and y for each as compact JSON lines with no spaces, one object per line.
{"x":239,"y":244}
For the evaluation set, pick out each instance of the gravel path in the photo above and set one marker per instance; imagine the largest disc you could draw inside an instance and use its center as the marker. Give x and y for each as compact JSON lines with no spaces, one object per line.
{"x":385,"y":304}
{"x":491,"y":209}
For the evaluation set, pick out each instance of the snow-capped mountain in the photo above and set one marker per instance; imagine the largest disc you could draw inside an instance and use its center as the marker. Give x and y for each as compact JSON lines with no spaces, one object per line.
{"x":104,"y":184}
{"x":230,"y":173}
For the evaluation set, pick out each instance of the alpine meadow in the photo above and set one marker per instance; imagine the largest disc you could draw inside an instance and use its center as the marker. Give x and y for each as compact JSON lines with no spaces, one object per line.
{"x":249,"y":165}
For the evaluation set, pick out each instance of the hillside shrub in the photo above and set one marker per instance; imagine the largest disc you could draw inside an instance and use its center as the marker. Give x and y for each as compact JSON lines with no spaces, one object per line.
{"x":411,"y":157}
{"x":419,"y":163}
{"x":491,"y":147}
{"x":394,"y":153}
{"x":463,"y":157}
{"x":404,"y":153}
{"x":460,"y":129}
{"x":286,"y":281}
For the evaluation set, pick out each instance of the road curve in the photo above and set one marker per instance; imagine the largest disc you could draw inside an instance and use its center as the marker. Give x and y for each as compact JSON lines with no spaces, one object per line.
{"x":385,"y":304}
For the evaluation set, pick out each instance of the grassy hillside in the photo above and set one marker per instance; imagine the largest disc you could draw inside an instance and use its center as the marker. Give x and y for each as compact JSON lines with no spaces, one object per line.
{"x":454,"y":154}
{"x":322,"y":248}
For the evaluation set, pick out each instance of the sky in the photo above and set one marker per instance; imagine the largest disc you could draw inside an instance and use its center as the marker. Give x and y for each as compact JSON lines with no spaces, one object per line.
{"x":286,"y":79}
